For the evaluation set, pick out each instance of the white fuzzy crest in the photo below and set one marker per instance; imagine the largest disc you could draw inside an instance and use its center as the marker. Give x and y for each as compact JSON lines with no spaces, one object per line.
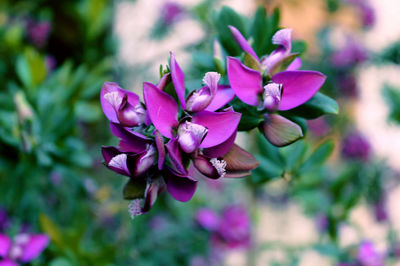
{"x":219,"y":165}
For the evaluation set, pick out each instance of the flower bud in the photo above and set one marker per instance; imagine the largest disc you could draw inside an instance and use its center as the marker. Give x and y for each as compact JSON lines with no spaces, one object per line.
{"x":272,"y":96}
{"x":130,"y":116}
{"x":190,"y":136}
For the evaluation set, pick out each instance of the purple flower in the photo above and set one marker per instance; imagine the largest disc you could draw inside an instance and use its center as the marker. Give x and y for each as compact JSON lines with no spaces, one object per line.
{"x":355,"y":146}
{"x":368,"y":256}
{"x":171,"y":12}
{"x":366,"y":11}
{"x":121,"y":106}
{"x":319,"y":127}
{"x":229,"y":230}
{"x":160,"y":140}
{"x":22,"y":248}
{"x":380,"y":210}
{"x":352,"y":53}
{"x":348,"y":85}
{"x":38,"y":32}
{"x":284,"y":91}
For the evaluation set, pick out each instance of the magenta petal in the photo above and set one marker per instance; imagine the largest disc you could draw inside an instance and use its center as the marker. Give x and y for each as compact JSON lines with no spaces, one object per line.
{"x":223,"y":96}
{"x":8,"y":262}
{"x":178,"y":78}
{"x":174,"y":154}
{"x":295,"y":65}
{"x":35,"y":246}
{"x":298,"y":86}
{"x":108,"y":109}
{"x":181,"y":188}
{"x":153,"y":189}
{"x":130,"y":141}
{"x":109,"y":152}
{"x":220,"y":126}
{"x":245,"y":82}
{"x":221,"y":149}
{"x":242,"y":42}
{"x":166,"y":78}
{"x":160,"y":149}
{"x":283,"y":37}
{"x":5,"y":245}
{"x":162,"y":109}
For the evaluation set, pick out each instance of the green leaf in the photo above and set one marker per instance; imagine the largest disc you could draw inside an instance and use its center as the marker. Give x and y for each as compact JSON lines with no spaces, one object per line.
{"x":134,"y":189}
{"x":392,"y":97}
{"x":52,"y":230}
{"x":260,"y":31}
{"x":317,"y":106}
{"x":318,"y":157}
{"x":227,"y":16}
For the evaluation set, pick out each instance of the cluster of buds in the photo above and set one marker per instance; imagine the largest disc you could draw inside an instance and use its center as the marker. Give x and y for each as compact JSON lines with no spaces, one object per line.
{"x":171,"y":138}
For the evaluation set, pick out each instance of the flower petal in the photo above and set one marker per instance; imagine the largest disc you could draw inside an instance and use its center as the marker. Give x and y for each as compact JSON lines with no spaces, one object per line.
{"x":284,"y":38}
{"x":298,"y":86}
{"x":242,"y":42}
{"x":175,"y":156}
{"x":8,"y":262}
{"x":110,"y":152}
{"x":221,"y":149}
{"x":223,"y":96}
{"x":296,"y":64}
{"x":245,"y":82}
{"x":220,"y":125}
{"x":130,"y":141}
{"x":181,"y":188}
{"x":178,"y":78}
{"x":155,"y":187}
{"x":35,"y":246}
{"x":162,"y":109}
{"x":5,"y":245}
{"x":280,"y":131}
{"x":110,"y":110}
{"x":166,"y":78}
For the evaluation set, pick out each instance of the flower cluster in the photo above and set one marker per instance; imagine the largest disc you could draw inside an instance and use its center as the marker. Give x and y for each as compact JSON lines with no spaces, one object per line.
{"x":174,"y":135}
{"x":22,"y":248}
{"x":273,"y":83}
{"x":230,"y":230}
{"x":167,"y":140}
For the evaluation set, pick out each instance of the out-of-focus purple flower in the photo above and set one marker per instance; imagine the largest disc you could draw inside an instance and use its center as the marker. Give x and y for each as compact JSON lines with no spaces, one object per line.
{"x":4,"y":220}
{"x":322,"y":223}
{"x":171,"y":12}
{"x":38,"y":32}
{"x":56,"y":178}
{"x":319,"y":127}
{"x":208,"y":219}
{"x":380,"y":210}
{"x":286,"y":89}
{"x":230,"y":230}
{"x":366,"y":11}
{"x":350,"y":54}
{"x":368,"y":255}
{"x":348,"y":86}
{"x":356,"y":146}
{"x":50,"y":63}
{"x":22,"y":248}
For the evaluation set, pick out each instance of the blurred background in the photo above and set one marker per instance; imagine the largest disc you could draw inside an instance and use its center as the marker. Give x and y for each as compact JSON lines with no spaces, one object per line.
{"x":330,"y":199}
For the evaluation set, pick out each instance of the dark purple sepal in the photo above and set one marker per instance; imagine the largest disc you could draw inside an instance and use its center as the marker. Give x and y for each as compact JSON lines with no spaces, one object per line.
{"x":239,"y":162}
